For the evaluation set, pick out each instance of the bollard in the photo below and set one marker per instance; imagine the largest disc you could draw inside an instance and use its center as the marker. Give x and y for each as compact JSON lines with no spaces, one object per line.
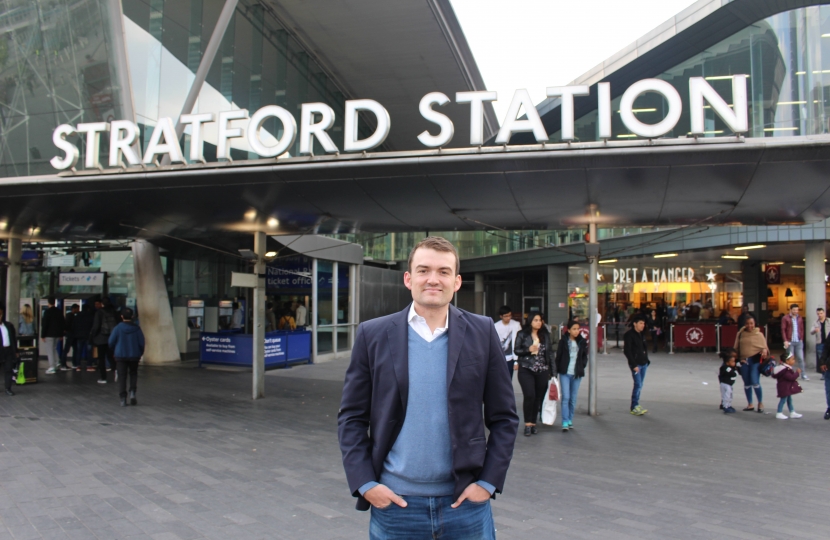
{"x":717,"y":333}
{"x":605,"y":339}
{"x":671,"y":340}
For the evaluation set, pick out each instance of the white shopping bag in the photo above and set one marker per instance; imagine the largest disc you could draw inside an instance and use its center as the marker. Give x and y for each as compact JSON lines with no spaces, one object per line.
{"x":549,"y":405}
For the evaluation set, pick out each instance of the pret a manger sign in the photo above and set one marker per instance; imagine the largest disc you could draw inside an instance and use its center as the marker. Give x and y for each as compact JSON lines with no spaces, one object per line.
{"x":317,"y":118}
{"x":657,"y":275}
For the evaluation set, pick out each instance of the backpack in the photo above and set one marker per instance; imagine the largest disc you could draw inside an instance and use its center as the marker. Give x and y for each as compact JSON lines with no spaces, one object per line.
{"x":108,"y":323}
{"x":767,"y":366}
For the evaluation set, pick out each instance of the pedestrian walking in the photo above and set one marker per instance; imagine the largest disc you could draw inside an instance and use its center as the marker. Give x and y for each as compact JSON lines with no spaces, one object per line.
{"x":792,"y":331}
{"x":653,"y":325}
{"x":571,"y":359}
{"x":411,"y":428}
{"x":751,"y":346}
{"x":69,"y":340}
{"x":52,"y":326}
{"x":300,"y":313}
{"x":635,"y":349}
{"x":787,"y":385}
{"x":535,"y":356}
{"x":102,"y":326}
{"x":819,"y":330}
{"x":8,"y":350}
{"x":237,"y":317}
{"x":270,"y":318}
{"x":726,"y":376}
{"x":507,"y":330}
{"x":127,"y":345}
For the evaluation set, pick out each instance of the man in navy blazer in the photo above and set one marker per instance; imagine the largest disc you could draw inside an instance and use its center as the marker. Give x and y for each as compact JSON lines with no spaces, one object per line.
{"x":410,"y":424}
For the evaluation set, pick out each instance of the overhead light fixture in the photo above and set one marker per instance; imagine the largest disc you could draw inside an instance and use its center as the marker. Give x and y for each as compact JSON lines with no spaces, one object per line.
{"x":273,"y":222}
{"x":250,"y":215}
{"x":665,"y":255}
{"x":776,"y":262}
{"x":723,"y":77}
{"x":626,"y":136}
{"x":734,"y":257}
{"x":271,"y":254}
{"x":608,"y":261}
{"x":792,"y":102}
{"x":798,"y":266}
{"x":782,"y":129}
{"x":3,"y":225}
{"x":788,"y":293}
{"x":744,"y":248}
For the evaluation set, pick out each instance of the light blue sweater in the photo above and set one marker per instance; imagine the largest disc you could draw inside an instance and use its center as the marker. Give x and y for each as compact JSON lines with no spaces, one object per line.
{"x":420,"y":462}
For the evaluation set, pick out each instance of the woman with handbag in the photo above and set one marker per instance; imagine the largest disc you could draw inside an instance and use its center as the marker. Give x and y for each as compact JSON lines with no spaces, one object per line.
{"x":536,"y":368}
{"x":571,"y":359}
{"x":752,"y":350}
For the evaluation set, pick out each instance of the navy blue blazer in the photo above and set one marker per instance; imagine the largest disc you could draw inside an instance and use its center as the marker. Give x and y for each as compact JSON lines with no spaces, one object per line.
{"x":375,"y":395}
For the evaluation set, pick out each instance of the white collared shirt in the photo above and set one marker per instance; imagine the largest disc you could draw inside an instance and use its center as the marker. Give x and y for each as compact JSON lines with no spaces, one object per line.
{"x":5,"y":332}
{"x":419,"y":324}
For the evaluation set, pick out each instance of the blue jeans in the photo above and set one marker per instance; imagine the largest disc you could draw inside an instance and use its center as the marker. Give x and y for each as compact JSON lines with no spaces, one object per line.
{"x":639,"y":378}
{"x":819,"y":350}
{"x":827,"y":388}
{"x":788,"y":400}
{"x":797,"y":349}
{"x":570,"y":387}
{"x":428,"y":518}
{"x":751,"y":374}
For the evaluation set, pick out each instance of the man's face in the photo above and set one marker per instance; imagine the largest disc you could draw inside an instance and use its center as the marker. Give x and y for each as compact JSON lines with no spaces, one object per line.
{"x":794,"y":311}
{"x":820,"y":314}
{"x":432,"y":279}
{"x":506,"y":318}
{"x":639,"y":325}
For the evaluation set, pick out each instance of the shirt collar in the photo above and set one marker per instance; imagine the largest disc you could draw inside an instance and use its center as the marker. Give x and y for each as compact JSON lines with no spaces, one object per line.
{"x":413,"y":315}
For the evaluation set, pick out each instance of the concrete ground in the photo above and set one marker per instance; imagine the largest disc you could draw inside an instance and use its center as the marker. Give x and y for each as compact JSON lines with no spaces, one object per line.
{"x":198,"y":459}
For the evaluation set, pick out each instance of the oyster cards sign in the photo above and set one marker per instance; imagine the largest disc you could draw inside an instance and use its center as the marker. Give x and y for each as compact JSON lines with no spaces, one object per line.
{"x":316,"y":119}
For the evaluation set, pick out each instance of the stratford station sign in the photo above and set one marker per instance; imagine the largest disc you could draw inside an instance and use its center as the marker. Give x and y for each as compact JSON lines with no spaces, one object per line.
{"x":317,"y":118}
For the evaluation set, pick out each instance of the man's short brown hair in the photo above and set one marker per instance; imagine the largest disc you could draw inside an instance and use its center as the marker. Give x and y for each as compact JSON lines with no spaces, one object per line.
{"x":438,"y":244}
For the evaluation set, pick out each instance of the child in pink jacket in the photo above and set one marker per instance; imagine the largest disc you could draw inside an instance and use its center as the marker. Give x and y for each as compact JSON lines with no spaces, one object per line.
{"x":788,"y":386}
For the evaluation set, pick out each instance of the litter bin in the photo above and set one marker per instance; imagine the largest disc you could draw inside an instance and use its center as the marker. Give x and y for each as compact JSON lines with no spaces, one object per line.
{"x":27,"y":367}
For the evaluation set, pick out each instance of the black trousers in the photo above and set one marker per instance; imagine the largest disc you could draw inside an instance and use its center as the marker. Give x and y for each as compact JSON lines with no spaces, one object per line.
{"x":510,"y":364}
{"x":104,"y":352}
{"x":8,"y":365}
{"x":534,"y":385}
{"x":123,"y":366}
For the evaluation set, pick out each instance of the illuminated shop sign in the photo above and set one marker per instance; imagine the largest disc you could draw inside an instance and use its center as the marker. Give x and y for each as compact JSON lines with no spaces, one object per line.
{"x":657,"y":275}
{"x":317,"y":118}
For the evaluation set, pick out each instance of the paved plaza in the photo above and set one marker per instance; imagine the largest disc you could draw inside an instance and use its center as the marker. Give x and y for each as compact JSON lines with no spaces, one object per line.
{"x":198,"y":459}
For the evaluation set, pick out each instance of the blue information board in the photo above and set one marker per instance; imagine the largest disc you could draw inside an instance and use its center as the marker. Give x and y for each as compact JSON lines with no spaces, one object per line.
{"x":281,"y":348}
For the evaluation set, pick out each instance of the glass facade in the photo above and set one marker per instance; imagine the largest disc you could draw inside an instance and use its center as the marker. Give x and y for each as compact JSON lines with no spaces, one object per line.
{"x":470,"y":244}
{"x":787,"y":59}
{"x":56,"y":67}
{"x":259,"y":63}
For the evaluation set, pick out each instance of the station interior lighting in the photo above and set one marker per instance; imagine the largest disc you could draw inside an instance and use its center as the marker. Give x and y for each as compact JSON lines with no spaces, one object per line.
{"x":744,"y":248}
{"x":734,"y":256}
{"x":665,"y":255}
{"x":608,"y":261}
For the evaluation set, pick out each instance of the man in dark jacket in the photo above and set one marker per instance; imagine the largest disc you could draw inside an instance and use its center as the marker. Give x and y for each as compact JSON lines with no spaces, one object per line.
{"x":81,"y":328}
{"x":69,"y":340}
{"x":636,"y":352}
{"x":51,"y":332}
{"x":103,"y":323}
{"x":127,"y":344}
{"x":8,"y":350}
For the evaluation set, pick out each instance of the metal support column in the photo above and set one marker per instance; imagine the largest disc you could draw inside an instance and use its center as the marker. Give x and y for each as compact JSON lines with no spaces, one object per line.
{"x":313,"y":314}
{"x":334,"y":307}
{"x":814,"y":289}
{"x":259,"y":317}
{"x":353,"y":303}
{"x":479,"y":293}
{"x":592,"y":321}
{"x":15,"y":252}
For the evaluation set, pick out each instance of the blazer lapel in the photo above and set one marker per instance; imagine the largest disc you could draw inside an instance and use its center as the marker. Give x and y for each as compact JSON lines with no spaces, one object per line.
{"x":398,"y":336}
{"x":457,"y":330}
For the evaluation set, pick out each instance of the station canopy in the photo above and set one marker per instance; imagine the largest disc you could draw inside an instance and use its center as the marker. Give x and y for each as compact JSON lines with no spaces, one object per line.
{"x":673,"y":182}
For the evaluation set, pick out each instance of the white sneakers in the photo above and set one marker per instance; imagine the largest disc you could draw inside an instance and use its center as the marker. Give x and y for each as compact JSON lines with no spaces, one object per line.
{"x":50,"y":371}
{"x":793,"y":414}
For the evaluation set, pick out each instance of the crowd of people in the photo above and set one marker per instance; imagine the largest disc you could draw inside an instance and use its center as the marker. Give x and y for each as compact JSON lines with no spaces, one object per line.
{"x":532,"y":351}
{"x":100,"y":339}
